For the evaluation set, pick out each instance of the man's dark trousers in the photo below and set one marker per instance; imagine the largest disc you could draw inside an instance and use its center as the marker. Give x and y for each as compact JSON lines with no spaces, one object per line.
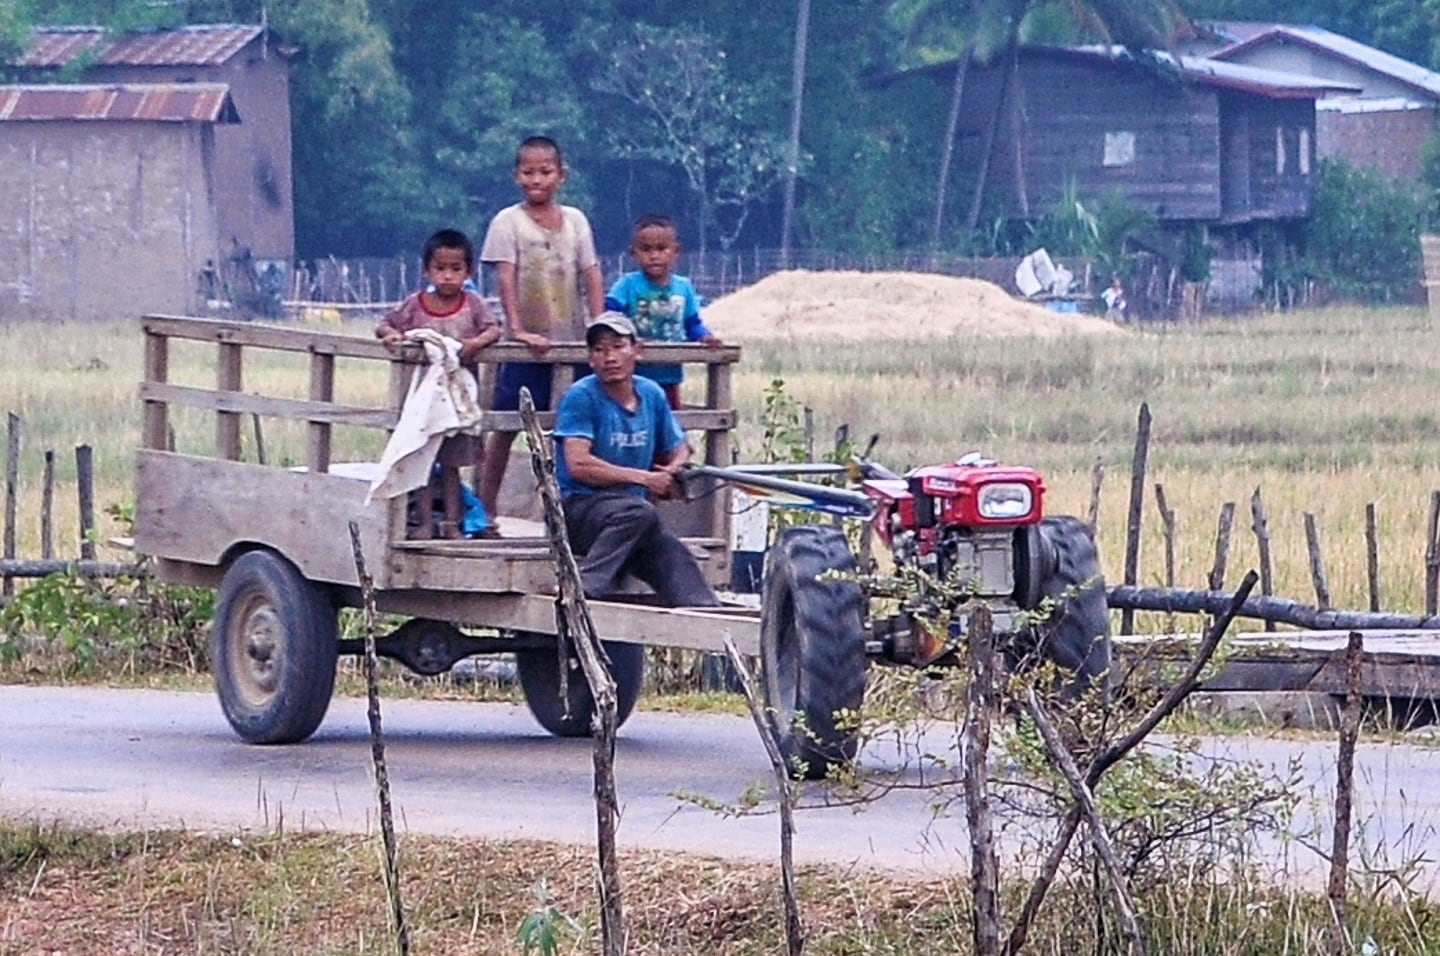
{"x":619,"y":534}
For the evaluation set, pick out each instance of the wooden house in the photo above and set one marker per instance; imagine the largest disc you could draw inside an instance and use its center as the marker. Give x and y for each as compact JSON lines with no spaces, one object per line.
{"x":111,"y":207}
{"x":237,"y":219}
{"x":1383,"y":125}
{"x":1187,"y":140}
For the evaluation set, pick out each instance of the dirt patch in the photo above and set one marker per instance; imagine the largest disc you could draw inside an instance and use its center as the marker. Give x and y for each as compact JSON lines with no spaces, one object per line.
{"x":892,"y":305}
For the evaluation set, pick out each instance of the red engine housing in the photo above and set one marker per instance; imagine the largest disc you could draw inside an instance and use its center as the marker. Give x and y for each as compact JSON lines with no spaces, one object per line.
{"x":949,"y":496}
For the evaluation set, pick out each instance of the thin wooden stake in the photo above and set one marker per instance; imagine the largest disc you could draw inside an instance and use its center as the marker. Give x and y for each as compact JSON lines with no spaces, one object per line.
{"x":575,"y":612}
{"x":1372,"y":556}
{"x":1097,"y":478}
{"x":980,"y":704}
{"x":85,"y":489}
{"x":377,"y":750}
{"x":1432,"y":555}
{"x":47,"y":507}
{"x":1099,"y":837}
{"x":12,"y":491}
{"x":1222,"y":546}
{"x":1167,"y":525}
{"x":785,"y":790}
{"x":1113,"y":753}
{"x":1137,"y":502}
{"x":1344,"y":795}
{"x":1261,"y":527}
{"x":259,"y":440}
{"x":1317,"y":562}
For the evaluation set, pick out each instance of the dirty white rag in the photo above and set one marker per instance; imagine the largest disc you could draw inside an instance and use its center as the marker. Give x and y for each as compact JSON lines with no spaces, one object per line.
{"x":443,"y":400}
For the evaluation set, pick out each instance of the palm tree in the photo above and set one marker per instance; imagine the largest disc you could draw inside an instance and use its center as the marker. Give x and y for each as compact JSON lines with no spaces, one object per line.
{"x":990,"y":26}
{"x":792,"y":158}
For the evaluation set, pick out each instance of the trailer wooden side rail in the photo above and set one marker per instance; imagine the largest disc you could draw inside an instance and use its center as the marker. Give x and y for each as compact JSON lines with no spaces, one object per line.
{"x":197,"y":513}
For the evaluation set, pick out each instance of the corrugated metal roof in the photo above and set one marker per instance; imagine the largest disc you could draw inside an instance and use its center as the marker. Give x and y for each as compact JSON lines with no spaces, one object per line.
{"x":1341,"y":47}
{"x":1235,"y":76}
{"x":142,"y":102}
{"x":201,"y":45}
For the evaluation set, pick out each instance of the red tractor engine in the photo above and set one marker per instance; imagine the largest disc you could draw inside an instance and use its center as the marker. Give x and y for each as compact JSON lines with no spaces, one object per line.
{"x":971,"y":525}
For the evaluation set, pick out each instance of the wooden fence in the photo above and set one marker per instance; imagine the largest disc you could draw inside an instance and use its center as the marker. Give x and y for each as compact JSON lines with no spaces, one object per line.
{"x":11,"y":565}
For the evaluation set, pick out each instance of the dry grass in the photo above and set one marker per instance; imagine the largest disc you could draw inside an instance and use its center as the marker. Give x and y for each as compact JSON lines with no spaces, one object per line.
{"x":1323,"y":411}
{"x":87,"y":893}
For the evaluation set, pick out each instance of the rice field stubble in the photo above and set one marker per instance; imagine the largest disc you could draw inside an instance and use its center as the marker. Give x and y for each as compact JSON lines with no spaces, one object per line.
{"x":1323,"y":411}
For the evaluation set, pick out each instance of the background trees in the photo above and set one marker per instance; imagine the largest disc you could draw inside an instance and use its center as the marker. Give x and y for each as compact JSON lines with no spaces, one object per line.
{"x":407,"y":114}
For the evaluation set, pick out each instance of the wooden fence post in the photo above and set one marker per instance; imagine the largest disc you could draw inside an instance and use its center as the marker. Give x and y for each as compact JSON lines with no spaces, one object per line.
{"x":1261,"y":527}
{"x":1167,"y":524}
{"x":85,"y":488}
{"x":47,"y":507}
{"x":12,"y":489}
{"x":1137,"y":501}
{"x":1222,"y":546}
{"x":1317,"y":562}
{"x":1097,"y":478}
{"x":1432,"y":554}
{"x":1344,"y":794}
{"x":1372,"y":556}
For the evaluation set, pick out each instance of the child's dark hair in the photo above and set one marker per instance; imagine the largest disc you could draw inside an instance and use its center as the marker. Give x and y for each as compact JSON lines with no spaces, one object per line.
{"x":652,"y":220}
{"x":449,"y":239}
{"x":540,"y":142}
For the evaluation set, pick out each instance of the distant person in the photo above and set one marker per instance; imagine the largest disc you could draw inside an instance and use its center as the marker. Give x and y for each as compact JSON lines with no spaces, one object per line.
{"x":663,"y":305}
{"x":619,"y":448}
{"x":446,"y":306}
{"x":549,"y":283}
{"x":1114,"y":299}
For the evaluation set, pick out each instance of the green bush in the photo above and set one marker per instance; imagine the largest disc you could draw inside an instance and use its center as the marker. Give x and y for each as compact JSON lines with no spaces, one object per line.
{"x":1363,"y":238}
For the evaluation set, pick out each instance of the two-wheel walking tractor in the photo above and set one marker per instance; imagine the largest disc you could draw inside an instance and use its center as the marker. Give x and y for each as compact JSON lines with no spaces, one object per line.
{"x":274,"y":540}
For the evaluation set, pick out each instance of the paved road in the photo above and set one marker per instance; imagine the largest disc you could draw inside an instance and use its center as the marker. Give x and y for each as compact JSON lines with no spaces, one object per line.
{"x":135,"y":758}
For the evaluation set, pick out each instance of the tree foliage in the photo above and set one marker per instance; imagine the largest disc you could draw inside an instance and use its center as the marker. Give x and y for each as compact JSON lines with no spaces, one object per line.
{"x":406,"y":115}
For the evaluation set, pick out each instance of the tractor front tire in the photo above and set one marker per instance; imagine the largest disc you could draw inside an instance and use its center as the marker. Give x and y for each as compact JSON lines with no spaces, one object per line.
{"x":1077,"y":634}
{"x":571,"y":716}
{"x":812,"y":648}
{"x":273,"y":646}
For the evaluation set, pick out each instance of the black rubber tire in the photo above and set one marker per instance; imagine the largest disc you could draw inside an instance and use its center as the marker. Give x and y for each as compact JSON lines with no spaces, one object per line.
{"x":539,"y":673}
{"x":1077,"y":635}
{"x":812,"y":648}
{"x":273,"y":645}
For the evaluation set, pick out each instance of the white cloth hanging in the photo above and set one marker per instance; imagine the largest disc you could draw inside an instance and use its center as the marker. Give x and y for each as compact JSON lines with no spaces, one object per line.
{"x":443,"y":400}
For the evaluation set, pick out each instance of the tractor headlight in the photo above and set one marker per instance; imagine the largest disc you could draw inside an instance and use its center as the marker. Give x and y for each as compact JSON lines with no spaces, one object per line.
{"x":1005,"y":501}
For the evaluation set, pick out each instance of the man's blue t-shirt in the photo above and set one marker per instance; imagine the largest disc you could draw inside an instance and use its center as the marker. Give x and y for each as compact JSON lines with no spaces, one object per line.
{"x":621,"y":437}
{"x":668,"y":313}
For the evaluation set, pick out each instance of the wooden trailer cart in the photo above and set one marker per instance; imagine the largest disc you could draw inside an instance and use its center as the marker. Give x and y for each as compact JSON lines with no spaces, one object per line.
{"x":273,"y":538}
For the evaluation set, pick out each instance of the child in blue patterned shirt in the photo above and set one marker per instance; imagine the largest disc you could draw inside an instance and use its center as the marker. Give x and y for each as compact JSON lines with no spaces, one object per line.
{"x":663,"y":306}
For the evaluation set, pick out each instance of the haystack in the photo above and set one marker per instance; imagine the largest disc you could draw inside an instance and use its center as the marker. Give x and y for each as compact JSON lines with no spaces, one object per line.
{"x":894,"y":305}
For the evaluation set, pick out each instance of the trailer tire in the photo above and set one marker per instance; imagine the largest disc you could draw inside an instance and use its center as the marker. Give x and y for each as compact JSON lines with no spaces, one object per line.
{"x":812,"y":649}
{"x":1077,"y":634}
{"x":539,"y":673}
{"x":274,"y":647}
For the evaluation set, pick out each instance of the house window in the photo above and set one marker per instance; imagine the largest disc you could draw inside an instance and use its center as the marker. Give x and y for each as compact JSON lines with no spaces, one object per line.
{"x":1279,"y":150}
{"x":1119,"y":149}
{"x":1304,"y":151}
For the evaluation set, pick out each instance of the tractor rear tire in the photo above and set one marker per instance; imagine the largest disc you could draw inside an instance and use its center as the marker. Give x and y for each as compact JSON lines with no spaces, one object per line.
{"x":274,"y":646}
{"x":1077,"y":634}
{"x":812,"y":649}
{"x":539,"y":673}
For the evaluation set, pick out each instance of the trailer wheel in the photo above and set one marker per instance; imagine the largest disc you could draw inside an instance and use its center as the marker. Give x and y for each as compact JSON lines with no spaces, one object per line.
{"x":1077,"y":634}
{"x":539,"y":673}
{"x":274,"y":647}
{"x":812,"y":648}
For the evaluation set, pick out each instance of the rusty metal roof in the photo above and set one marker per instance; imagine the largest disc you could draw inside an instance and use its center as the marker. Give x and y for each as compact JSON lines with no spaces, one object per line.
{"x":202,"y":45}
{"x":142,"y":102}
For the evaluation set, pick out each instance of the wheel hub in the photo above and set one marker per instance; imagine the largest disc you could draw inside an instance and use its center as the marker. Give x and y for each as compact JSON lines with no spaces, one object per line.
{"x":261,"y":654}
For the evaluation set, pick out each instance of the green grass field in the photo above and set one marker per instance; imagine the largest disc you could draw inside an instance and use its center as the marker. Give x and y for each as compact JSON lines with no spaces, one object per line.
{"x":1323,"y":411}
